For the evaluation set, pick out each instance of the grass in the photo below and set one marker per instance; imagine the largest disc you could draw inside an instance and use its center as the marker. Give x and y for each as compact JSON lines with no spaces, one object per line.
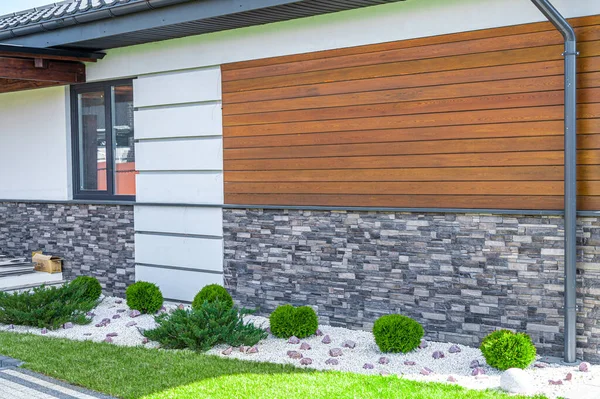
{"x":136,"y":373}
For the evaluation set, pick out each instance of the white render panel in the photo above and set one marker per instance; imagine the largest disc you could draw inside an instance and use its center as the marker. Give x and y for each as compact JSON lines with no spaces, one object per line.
{"x":34,"y":145}
{"x":178,"y":88}
{"x":179,"y":188}
{"x":184,"y":121}
{"x":388,"y":22}
{"x":186,"y":154}
{"x":177,"y":284}
{"x":177,"y":251}
{"x":185,"y":220}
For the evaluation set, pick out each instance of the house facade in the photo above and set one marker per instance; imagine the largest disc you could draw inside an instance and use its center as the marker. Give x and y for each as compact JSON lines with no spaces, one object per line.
{"x":360,"y":157}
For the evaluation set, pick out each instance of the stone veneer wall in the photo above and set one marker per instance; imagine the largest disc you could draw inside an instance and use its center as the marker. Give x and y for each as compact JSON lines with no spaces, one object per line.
{"x":460,"y":275}
{"x":94,"y":240}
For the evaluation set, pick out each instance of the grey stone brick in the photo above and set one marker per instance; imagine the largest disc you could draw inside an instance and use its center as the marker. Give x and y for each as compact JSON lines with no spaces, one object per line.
{"x":461,"y":275}
{"x":94,"y":240}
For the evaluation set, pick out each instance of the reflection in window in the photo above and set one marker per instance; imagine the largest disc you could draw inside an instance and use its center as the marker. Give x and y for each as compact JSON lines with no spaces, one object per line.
{"x":123,"y":144}
{"x":104,"y":150}
{"x":92,"y":141}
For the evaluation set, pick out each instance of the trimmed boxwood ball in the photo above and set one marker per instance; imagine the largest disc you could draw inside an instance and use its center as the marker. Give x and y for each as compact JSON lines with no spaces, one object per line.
{"x":287,"y":320}
{"x":90,"y":285}
{"x":145,"y":297}
{"x":212,"y":293}
{"x":504,"y":349}
{"x":397,"y":333}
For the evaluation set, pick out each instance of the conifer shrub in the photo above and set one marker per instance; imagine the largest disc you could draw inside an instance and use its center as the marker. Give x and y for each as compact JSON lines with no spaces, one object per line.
{"x":144,"y":296}
{"x":47,"y":307}
{"x":200,"y":329}
{"x":212,"y":293}
{"x":504,"y":349}
{"x":287,"y":321}
{"x":91,"y":287}
{"x":397,"y":333}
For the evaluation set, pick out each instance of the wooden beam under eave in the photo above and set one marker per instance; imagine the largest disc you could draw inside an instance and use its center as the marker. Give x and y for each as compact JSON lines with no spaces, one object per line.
{"x":16,"y":54}
{"x":12,"y":85}
{"x":66,"y":72}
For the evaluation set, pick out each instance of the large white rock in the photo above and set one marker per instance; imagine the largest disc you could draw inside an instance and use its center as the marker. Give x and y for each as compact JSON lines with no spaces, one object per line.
{"x":516,"y":381}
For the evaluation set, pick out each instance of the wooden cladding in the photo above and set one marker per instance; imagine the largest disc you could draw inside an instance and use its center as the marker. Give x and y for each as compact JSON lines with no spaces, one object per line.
{"x":467,"y":120}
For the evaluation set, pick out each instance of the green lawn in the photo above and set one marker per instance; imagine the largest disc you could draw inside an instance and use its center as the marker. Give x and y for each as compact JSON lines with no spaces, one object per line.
{"x":152,"y":374}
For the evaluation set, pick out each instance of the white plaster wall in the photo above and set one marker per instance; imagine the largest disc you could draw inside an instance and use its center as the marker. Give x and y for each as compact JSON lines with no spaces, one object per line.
{"x":389,"y":22}
{"x":34,"y":145}
{"x":179,"y":156}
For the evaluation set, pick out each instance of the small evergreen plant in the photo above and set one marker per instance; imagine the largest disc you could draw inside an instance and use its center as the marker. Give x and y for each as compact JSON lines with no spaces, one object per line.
{"x":144,"y":296}
{"x":397,"y":333}
{"x":287,"y":320}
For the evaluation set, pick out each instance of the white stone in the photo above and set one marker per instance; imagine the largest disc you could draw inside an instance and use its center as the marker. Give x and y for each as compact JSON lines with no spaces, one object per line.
{"x":516,"y":381}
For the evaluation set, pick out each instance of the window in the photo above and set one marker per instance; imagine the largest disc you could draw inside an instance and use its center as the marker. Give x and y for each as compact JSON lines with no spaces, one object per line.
{"x":103,"y":141}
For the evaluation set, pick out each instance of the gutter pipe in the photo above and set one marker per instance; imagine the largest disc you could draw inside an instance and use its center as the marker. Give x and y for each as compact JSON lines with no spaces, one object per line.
{"x":570,"y":158}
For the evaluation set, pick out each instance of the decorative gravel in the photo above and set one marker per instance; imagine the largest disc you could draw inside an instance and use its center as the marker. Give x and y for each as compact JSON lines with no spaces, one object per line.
{"x":454,"y":367}
{"x":127,"y":333}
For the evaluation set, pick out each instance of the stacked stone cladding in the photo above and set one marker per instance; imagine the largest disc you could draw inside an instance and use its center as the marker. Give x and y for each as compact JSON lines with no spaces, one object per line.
{"x":460,"y":275}
{"x":94,"y":240}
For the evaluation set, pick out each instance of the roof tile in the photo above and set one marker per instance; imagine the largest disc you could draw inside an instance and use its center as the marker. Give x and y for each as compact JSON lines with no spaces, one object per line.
{"x":59,"y":10}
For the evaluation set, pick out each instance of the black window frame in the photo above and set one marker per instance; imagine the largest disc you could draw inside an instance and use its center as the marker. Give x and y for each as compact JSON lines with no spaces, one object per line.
{"x":78,"y":192}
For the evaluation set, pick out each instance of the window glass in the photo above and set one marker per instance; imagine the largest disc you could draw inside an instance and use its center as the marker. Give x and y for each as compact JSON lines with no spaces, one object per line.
{"x":103,"y":141}
{"x":92,"y":141}
{"x":123,"y":144}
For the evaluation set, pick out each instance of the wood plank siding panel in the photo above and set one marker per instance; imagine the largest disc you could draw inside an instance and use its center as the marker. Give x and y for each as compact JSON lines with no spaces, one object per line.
{"x":466,"y":120}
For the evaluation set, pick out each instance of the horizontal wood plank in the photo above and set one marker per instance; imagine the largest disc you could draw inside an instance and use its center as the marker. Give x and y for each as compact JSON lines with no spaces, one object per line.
{"x":402,"y":201}
{"x":423,"y":80}
{"x":423,"y":41}
{"x":507,"y":115}
{"x":541,"y":188}
{"x":54,"y":71}
{"x":475,"y":46}
{"x":504,"y":173}
{"x":518,"y":129}
{"x":468,"y":61}
{"x":467,"y":120}
{"x":517,"y":144}
{"x":411,"y":161}
{"x":419,"y":93}
{"x":544,"y":143}
{"x":474,"y":103}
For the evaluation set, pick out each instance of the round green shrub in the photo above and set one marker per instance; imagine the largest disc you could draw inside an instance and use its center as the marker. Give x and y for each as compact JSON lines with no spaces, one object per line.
{"x":504,"y":349}
{"x":397,"y":333}
{"x":145,"y":297}
{"x":287,"y":320}
{"x":212,"y":293}
{"x":90,"y":286}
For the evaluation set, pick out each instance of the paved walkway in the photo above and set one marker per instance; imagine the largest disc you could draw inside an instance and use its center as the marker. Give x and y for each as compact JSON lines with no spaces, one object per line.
{"x":18,"y":383}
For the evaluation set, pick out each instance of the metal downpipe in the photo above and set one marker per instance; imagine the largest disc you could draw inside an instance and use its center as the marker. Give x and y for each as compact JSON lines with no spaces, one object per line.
{"x":570,"y":158}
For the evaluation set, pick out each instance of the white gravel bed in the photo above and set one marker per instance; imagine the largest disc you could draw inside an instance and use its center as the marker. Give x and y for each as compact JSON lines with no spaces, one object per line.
{"x":457,"y":365}
{"x":107,"y":309}
{"x":274,"y":350}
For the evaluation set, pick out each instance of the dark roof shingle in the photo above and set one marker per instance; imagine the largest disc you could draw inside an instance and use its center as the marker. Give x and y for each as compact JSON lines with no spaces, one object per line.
{"x":50,"y":12}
